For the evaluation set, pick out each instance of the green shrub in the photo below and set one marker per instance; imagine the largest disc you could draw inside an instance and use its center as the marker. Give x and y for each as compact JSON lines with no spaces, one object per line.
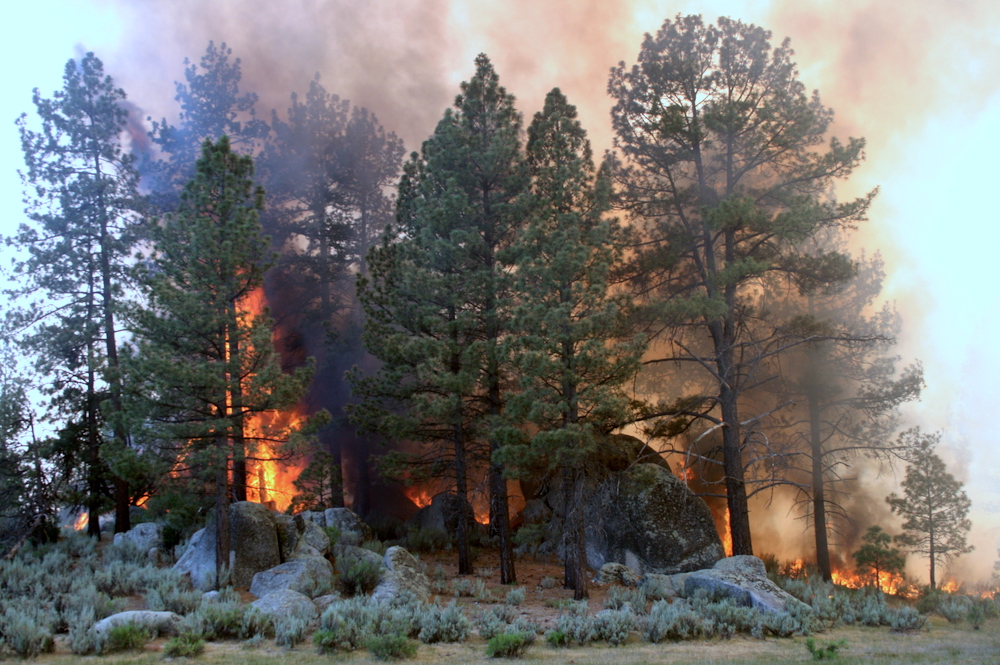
{"x":514,"y":597}
{"x":907,"y":619}
{"x":360,"y":577}
{"x":577,"y":624}
{"x":619,"y":596}
{"x":376,"y":546}
{"x":495,"y":620}
{"x":333,"y":533}
{"x":426,"y":540}
{"x":289,"y":631}
{"x":443,"y":624}
{"x":173,"y":596}
{"x":614,"y":626}
{"x":557,"y":638}
{"x":826,"y":652}
{"x":25,"y":634}
{"x":126,"y":637}
{"x":183,"y":646}
{"x":391,"y":647}
{"x":507,"y":645}
{"x":976,"y":615}
{"x":954,"y":609}
{"x":673,"y":621}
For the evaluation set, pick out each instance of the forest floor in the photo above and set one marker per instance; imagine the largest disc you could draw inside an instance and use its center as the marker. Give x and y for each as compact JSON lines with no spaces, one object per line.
{"x":543,"y":603}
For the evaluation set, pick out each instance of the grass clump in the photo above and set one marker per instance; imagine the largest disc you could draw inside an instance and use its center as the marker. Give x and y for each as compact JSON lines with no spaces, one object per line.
{"x":508,"y":645}
{"x":827,"y":652}
{"x":183,"y":646}
{"x":391,"y":647}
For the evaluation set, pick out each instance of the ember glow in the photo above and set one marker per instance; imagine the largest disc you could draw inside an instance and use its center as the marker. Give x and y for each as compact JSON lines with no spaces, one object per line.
{"x":421,"y":496}
{"x":80,"y":523}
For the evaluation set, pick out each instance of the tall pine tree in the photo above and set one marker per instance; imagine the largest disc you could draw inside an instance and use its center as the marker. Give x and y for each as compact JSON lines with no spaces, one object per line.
{"x":572,"y":349}
{"x":82,"y":206}
{"x":210,"y":364}
{"x":726,"y":175}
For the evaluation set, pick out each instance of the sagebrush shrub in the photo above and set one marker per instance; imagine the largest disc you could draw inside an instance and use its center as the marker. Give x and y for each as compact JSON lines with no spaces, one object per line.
{"x":577,"y":624}
{"x":443,"y":624}
{"x":614,"y":626}
{"x":289,"y":631}
{"x":673,"y":621}
{"x":360,"y":577}
{"x":619,"y":596}
{"x":126,"y":637}
{"x":183,"y":646}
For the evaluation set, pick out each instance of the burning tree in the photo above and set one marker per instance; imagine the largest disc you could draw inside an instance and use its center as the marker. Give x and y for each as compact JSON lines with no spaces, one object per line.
{"x":570,"y":368}
{"x":209,"y":363}
{"x":726,"y":176}
{"x":933,"y":504}
{"x":84,"y":193}
{"x":877,"y":558}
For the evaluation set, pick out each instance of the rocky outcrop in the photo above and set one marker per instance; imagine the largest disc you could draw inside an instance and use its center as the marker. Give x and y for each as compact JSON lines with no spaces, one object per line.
{"x":253,"y":547}
{"x":661,"y":587}
{"x":159,"y":623}
{"x":286,"y":603}
{"x":650,"y":521}
{"x":310,"y":576}
{"x":744,"y":579}
{"x":402,"y":578}
{"x":348,"y":555}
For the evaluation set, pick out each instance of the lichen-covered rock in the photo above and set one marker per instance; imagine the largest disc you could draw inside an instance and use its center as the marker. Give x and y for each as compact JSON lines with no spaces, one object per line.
{"x":285,"y":602}
{"x":160,"y":623}
{"x":253,"y":539}
{"x":353,"y":530}
{"x":617,"y":573}
{"x":308,"y":575}
{"x":650,"y":521}
{"x":317,"y":516}
{"x":324,"y":602}
{"x":744,"y":580}
{"x":402,"y":578}
{"x":314,"y":536}
{"x":288,"y":535}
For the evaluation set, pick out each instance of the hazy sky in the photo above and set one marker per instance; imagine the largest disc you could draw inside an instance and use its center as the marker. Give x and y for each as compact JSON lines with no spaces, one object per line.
{"x":919,"y":80}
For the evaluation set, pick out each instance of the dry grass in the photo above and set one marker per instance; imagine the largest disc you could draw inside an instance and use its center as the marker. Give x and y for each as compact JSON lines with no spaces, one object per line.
{"x":944,"y":643}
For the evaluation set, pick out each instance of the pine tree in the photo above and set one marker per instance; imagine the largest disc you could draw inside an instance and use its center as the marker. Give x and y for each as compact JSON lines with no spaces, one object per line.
{"x":726,"y":176}
{"x":876,"y":557}
{"x":82,"y":209}
{"x":571,"y":348}
{"x":211,"y":106}
{"x":933,"y":505}
{"x":461,"y":205}
{"x":209,"y":363}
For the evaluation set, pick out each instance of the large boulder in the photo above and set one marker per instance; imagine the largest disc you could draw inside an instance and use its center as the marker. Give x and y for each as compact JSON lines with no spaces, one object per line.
{"x":353,"y":530}
{"x":286,"y":603}
{"x":159,"y":623}
{"x":743,"y":579}
{"x":348,"y":555}
{"x":650,"y":521}
{"x":661,"y":587}
{"x":253,"y":543}
{"x":143,"y":537}
{"x":311,"y":576}
{"x":402,"y":578}
{"x":300,"y":537}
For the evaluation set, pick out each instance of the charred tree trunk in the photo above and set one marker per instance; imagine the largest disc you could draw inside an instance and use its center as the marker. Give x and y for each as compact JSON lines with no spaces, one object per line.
{"x":736,"y":491}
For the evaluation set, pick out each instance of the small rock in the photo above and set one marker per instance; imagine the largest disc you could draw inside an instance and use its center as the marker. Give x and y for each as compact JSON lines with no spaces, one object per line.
{"x":745,"y":582}
{"x":402,"y":578}
{"x":324,"y":602}
{"x":617,"y":573}
{"x":307,"y":575}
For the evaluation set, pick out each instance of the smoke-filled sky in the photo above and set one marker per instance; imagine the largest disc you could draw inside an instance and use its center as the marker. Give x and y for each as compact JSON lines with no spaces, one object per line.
{"x":920,"y":80}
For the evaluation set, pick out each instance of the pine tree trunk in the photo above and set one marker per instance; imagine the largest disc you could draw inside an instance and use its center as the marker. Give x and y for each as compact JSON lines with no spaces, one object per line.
{"x":736,"y":492}
{"x":819,"y":490}
{"x":236,"y":409}
{"x":221,"y":513}
{"x":462,"y":503}
{"x":576,"y":541}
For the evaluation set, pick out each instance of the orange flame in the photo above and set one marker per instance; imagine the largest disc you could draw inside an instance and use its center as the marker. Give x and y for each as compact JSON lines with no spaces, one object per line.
{"x":887,"y":582}
{"x":951,"y":586}
{"x":421,"y":496}
{"x":80,"y":523}
{"x":270,"y":481}
{"x":726,"y":534}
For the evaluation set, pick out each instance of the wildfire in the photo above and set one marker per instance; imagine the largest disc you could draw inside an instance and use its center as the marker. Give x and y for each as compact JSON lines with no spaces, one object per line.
{"x":80,"y":523}
{"x":269,"y":481}
{"x":726,"y":534}
{"x":951,"y":586}
{"x":685,"y":473}
{"x":887,"y":582}
{"x":418,"y":495}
